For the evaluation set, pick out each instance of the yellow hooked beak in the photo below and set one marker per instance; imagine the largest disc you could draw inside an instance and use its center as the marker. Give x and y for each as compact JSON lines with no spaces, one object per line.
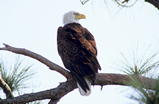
{"x":79,"y":16}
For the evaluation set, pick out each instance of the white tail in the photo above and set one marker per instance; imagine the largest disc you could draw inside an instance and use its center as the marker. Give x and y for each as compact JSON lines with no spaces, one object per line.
{"x":82,"y":92}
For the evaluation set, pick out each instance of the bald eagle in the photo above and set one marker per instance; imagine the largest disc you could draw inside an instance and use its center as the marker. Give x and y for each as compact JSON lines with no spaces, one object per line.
{"x":77,"y":49}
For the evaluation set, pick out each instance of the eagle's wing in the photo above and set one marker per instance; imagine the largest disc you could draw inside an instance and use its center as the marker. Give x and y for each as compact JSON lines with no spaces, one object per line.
{"x":78,"y":52}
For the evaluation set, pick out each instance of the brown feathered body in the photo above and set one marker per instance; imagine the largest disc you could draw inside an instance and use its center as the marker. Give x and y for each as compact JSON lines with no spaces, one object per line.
{"x":77,"y":48}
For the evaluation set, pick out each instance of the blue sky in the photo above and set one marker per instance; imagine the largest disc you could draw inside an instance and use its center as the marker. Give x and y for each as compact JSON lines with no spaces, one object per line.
{"x":33,"y":24}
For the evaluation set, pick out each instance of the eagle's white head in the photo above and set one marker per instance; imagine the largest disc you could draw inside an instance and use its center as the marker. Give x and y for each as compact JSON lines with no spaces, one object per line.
{"x":72,"y":17}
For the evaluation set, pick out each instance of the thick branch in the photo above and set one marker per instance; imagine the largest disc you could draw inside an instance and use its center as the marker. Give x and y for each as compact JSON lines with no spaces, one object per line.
{"x":6,"y":88}
{"x":66,"y":87}
{"x":38,"y":57}
{"x":119,"y":79}
{"x":54,"y":94}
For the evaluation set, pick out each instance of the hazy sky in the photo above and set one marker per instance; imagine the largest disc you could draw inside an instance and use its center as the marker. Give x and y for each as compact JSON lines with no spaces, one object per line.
{"x":32,"y":24}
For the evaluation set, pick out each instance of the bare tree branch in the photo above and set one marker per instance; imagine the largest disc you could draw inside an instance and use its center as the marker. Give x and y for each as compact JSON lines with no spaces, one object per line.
{"x":38,"y":57}
{"x":124,"y":3}
{"x":6,"y":88}
{"x":120,"y":79}
{"x":57,"y":93}
{"x":54,"y":94}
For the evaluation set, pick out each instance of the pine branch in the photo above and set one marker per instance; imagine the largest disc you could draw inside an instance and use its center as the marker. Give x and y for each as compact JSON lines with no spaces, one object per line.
{"x":54,"y":94}
{"x":57,"y":93}
{"x":38,"y":57}
{"x":6,"y":88}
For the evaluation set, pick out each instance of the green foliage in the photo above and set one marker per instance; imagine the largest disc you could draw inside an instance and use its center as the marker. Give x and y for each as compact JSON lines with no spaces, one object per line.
{"x":17,"y":74}
{"x":141,"y":63}
{"x":138,"y":64}
{"x":146,"y":96}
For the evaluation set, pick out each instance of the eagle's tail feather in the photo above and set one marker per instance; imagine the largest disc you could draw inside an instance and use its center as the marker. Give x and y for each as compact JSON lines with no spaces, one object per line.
{"x":88,"y":92}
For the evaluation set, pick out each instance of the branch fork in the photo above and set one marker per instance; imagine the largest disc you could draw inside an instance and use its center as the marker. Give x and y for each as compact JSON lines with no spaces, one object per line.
{"x":57,"y":93}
